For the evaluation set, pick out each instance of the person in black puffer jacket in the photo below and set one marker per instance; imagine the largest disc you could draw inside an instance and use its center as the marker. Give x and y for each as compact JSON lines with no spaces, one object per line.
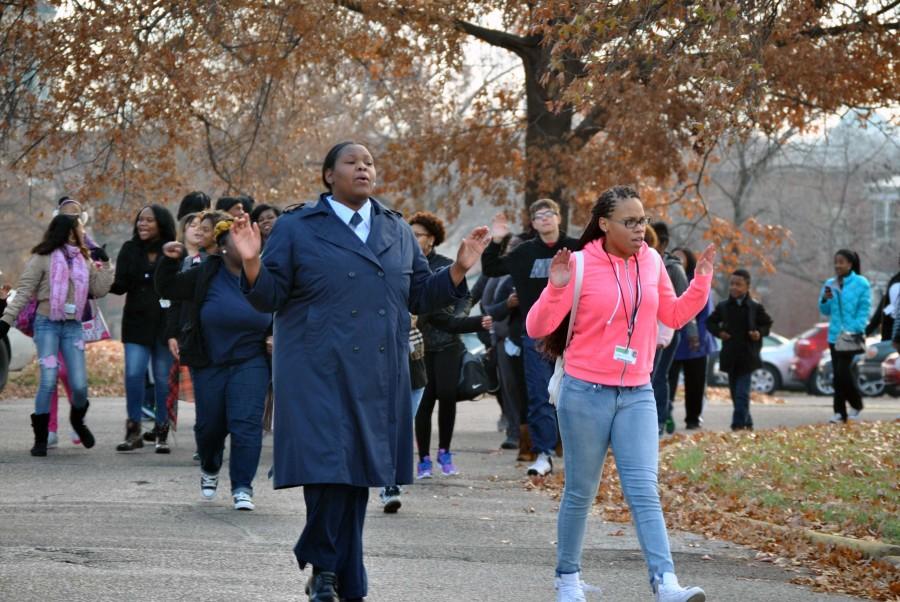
{"x":443,"y":353}
{"x":144,"y":320}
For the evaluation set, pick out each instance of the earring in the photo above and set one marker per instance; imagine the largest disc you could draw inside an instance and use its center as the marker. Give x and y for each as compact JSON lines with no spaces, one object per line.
{"x":224,"y":251}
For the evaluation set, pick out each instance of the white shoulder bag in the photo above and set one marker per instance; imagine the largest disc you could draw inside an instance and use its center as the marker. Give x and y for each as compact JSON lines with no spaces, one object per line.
{"x":560,"y":369}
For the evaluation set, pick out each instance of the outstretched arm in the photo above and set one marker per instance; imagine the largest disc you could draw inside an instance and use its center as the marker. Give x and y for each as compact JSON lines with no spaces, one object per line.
{"x":266,"y":281}
{"x":676,"y":311}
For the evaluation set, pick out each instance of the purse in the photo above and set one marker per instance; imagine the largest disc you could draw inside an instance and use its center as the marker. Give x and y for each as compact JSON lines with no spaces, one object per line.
{"x":95,"y":328}
{"x":853,"y":342}
{"x":25,"y":319}
{"x":560,"y":369}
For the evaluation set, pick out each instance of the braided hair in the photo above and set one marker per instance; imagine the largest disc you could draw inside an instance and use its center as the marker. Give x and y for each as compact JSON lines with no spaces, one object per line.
{"x":554,"y":344}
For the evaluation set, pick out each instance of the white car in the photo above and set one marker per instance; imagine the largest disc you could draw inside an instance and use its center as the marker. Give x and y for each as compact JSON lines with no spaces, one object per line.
{"x":776,"y":355}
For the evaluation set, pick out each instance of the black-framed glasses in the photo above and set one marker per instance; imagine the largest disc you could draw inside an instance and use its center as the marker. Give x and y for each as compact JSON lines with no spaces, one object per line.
{"x":633,"y":223}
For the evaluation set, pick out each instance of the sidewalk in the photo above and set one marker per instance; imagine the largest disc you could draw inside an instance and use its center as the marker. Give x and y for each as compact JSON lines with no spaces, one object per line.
{"x":97,"y":525}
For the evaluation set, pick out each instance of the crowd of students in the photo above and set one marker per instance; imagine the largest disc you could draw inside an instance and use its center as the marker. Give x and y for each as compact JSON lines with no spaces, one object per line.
{"x":368,"y":319}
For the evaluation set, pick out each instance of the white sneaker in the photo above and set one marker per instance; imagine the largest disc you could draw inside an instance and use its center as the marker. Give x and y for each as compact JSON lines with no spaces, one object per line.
{"x":243,"y":501}
{"x":836,"y":419}
{"x":542,"y":466}
{"x":853,"y":414}
{"x":208,"y":485}
{"x":668,"y":590}
{"x":52,"y":440}
{"x":569,"y":588}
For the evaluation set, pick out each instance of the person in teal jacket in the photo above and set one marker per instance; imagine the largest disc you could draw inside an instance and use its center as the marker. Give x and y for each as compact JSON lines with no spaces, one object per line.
{"x":846,"y":300}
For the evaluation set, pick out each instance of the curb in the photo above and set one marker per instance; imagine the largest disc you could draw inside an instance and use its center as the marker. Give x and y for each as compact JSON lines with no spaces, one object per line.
{"x":872,"y":549}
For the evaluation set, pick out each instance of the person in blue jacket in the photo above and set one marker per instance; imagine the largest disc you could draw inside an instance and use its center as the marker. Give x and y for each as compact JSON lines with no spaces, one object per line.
{"x":845,"y":299}
{"x":342,"y":275}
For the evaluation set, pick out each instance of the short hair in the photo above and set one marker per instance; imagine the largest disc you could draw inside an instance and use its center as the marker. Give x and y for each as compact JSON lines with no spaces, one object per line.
{"x":262,"y":208}
{"x":662,"y":232}
{"x":193,"y":202}
{"x":225,"y":203}
{"x":332,"y":157}
{"x":743,"y":274}
{"x":543,"y":204}
{"x":432,"y":223}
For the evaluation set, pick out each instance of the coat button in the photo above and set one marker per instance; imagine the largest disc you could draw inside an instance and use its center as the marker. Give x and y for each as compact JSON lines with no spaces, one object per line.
{"x":352,"y":274}
{"x":354,"y":312}
{"x":381,"y":349}
{"x":380,"y":273}
{"x":355,"y":349}
{"x":381,"y":312}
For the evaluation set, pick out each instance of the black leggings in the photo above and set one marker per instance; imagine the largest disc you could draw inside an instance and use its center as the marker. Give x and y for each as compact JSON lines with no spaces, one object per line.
{"x":442,"y":368}
{"x":845,"y":390}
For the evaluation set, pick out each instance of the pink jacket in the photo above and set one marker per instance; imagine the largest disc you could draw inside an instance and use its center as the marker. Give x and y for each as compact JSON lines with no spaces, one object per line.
{"x":600,"y":323}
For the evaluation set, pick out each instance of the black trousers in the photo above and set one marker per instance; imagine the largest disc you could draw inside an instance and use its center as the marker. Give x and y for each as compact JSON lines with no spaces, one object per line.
{"x":845,"y":390}
{"x":332,"y":537}
{"x":512,"y":382}
{"x":694,"y":389}
{"x":442,"y":368}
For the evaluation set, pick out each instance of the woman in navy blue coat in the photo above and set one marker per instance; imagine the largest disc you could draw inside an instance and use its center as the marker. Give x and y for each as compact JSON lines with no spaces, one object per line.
{"x":343,"y":274}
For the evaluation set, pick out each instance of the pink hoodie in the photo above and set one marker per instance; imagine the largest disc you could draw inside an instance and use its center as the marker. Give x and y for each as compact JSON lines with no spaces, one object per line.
{"x":600,"y":323}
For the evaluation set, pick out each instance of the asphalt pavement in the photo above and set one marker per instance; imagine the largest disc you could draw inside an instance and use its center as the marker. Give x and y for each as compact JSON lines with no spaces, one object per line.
{"x":100,"y":525}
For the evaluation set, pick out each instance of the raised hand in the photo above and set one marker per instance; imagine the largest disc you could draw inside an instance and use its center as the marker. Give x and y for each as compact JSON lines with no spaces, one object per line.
{"x":487,"y":322}
{"x":499,"y":227}
{"x":173,"y":250}
{"x":246,"y":238}
{"x":707,"y":260}
{"x":470,"y":250}
{"x":559,"y":268}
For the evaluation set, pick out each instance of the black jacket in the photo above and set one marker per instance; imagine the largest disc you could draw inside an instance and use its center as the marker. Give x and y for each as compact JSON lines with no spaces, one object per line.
{"x":143,"y":319}
{"x":739,"y":354}
{"x":528,"y":264}
{"x":441,"y":328}
{"x":189,"y":287}
{"x":881,"y":320}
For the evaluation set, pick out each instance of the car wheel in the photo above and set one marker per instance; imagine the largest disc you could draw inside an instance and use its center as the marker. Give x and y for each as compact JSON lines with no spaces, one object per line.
{"x":893,"y":390}
{"x":4,"y":363}
{"x":870,"y":388}
{"x":819,"y":384}
{"x":765,"y":380}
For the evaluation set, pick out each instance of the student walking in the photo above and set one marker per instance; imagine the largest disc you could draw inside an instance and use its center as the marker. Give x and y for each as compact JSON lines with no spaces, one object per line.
{"x":342,"y":275}
{"x":606,"y":397}
{"x":60,"y":275}
{"x":529,"y":266}
{"x":846,"y":299}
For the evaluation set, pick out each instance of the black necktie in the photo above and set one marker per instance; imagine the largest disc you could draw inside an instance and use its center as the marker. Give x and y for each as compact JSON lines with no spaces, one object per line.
{"x":355,"y":220}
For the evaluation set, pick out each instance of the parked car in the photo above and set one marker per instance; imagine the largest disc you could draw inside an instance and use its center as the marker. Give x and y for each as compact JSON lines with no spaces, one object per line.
{"x":890,"y":372}
{"x":869,"y":385}
{"x":777,"y":354}
{"x":868,"y":367}
{"x":808,"y":350}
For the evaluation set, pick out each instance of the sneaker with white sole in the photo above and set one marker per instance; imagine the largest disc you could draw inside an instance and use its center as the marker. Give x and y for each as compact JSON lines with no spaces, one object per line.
{"x":76,"y":440}
{"x":243,"y":501}
{"x":390,"y":498}
{"x":569,"y":588}
{"x":423,"y":470}
{"x":836,"y":419}
{"x":851,"y":415}
{"x":668,"y":590}
{"x":208,"y":485}
{"x":542,"y":466}
{"x":52,"y":440}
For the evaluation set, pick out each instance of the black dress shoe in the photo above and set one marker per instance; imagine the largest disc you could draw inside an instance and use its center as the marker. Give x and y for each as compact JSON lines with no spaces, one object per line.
{"x":320,"y":587}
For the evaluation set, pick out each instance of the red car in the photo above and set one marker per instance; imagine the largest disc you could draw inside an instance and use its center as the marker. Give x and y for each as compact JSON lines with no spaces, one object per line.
{"x":807,"y":352}
{"x":890,"y":369}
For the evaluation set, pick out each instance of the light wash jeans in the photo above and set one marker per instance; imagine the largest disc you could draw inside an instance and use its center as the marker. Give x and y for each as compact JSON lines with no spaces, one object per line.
{"x":52,"y":339}
{"x":591,"y":417}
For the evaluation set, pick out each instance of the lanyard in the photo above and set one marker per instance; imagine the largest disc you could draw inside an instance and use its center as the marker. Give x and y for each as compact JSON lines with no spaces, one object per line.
{"x":635,"y":299}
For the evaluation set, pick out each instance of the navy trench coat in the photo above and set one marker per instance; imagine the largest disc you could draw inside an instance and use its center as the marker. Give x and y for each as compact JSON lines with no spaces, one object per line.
{"x":341,"y":352}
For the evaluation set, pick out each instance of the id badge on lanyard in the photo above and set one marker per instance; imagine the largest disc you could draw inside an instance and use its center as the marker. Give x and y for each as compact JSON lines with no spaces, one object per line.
{"x":625,"y":354}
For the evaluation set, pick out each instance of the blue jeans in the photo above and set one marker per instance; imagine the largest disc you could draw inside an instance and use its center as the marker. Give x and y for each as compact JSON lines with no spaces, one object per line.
{"x":52,"y":337}
{"x":591,"y":417}
{"x":739,"y":384}
{"x":137,"y":357}
{"x":230,"y":401}
{"x":662,"y":361}
{"x":541,"y":414}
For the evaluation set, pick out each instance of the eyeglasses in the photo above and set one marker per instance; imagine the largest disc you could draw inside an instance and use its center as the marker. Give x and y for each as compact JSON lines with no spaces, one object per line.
{"x":543,"y":215}
{"x":633,"y":223}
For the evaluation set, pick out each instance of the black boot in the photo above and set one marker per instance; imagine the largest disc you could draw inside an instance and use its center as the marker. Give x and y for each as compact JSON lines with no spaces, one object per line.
{"x":162,"y":433}
{"x":150,"y":436}
{"x":320,"y":587}
{"x":76,"y":418}
{"x":40,"y":422}
{"x":132,"y":437}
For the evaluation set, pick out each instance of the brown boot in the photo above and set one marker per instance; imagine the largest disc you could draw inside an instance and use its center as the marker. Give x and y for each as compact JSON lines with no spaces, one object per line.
{"x":525,"y":453}
{"x":133,"y":439}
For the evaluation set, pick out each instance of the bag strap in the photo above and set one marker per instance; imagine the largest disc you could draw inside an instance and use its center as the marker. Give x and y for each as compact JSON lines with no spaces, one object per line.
{"x":579,"y":278}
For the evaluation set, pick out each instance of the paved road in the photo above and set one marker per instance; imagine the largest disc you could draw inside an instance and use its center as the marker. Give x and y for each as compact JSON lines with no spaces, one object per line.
{"x":97,"y":525}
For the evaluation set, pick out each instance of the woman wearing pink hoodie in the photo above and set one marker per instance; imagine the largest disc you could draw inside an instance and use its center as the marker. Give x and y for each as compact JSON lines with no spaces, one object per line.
{"x":606,"y":396}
